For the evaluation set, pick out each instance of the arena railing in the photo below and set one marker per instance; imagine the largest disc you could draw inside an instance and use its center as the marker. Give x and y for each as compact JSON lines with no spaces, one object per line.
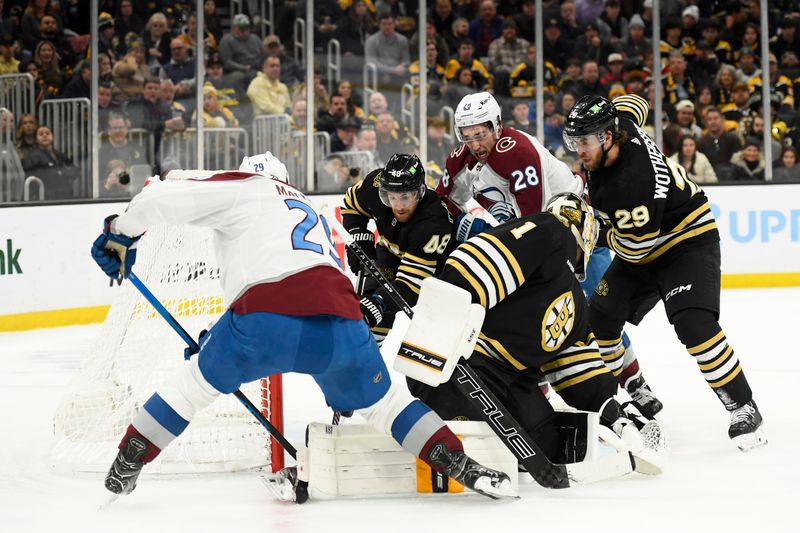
{"x":272,"y":133}
{"x":18,"y":93}
{"x":224,"y":148}
{"x":68,"y":119}
{"x":299,"y":38}
{"x":334,"y":64}
{"x":33,"y":180}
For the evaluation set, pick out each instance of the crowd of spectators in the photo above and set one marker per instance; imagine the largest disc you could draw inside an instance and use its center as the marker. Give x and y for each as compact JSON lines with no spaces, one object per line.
{"x":710,"y":54}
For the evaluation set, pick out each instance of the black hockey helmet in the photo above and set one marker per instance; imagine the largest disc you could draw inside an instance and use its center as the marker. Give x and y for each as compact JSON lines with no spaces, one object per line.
{"x":402,"y":173}
{"x":591,"y":115}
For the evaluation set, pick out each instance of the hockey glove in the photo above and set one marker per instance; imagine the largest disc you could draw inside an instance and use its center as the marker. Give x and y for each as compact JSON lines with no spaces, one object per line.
{"x":373,"y":308}
{"x":189,"y":351}
{"x":467,"y":225}
{"x":366,"y":240}
{"x":114,"y":253}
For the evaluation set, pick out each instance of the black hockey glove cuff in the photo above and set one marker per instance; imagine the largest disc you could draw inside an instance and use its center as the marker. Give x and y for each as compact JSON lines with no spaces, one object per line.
{"x":366,"y":240}
{"x":373,"y":308}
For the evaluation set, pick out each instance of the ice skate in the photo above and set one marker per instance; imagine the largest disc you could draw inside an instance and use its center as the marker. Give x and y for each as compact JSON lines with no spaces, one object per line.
{"x":462,"y":468}
{"x":644,"y":398}
{"x":121,"y":478}
{"x":747,"y":427}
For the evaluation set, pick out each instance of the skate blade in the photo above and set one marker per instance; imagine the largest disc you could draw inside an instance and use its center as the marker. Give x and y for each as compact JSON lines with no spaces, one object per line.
{"x":751,"y":441}
{"x":647,"y":464}
{"x":504,"y":490}
{"x":282,"y":489}
{"x":111,"y":499}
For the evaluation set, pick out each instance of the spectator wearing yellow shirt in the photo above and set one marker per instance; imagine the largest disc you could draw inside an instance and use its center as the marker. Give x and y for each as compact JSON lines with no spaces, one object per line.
{"x":8,"y":63}
{"x":465,"y":58}
{"x":267,"y":94}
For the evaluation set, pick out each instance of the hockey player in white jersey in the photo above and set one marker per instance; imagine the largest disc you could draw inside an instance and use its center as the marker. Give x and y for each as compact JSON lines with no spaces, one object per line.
{"x":290,"y":308}
{"x":511,"y":174}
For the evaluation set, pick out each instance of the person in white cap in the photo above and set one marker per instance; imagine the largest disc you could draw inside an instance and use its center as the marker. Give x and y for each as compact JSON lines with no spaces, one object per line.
{"x":691,"y":16}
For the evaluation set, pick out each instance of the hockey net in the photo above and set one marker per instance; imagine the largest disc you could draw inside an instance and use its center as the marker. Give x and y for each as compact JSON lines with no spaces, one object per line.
{"x":136,"y":350}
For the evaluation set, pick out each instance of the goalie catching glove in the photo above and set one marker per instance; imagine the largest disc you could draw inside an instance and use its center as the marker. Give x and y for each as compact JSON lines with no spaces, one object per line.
{"x":113,"y":252}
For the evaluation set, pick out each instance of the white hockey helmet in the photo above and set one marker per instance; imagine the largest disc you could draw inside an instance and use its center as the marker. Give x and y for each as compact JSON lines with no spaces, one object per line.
{"x":265,"y":164}
{"x":475,"y":109}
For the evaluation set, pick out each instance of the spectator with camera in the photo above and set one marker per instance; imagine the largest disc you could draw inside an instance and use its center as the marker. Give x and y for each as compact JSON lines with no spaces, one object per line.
{"x":117,"y":146}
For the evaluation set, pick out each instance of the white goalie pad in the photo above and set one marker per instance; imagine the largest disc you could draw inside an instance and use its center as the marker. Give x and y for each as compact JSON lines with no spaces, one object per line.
{"x":444,"y":329}
{"x":360,"y":461}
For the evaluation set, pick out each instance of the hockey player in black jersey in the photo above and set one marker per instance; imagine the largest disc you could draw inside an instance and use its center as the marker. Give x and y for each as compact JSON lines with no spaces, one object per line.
{"x":415,"y":232}
{"x":666,"y":243}
{"x":524,"y":273}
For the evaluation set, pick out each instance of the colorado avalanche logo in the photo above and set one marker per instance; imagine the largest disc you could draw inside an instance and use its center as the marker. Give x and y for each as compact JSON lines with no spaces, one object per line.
{"x":498,"y":205}
{"x":505,"y":144}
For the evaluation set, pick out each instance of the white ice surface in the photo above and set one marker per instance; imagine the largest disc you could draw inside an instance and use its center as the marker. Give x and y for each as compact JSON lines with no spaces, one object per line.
{"x":708,"y":485}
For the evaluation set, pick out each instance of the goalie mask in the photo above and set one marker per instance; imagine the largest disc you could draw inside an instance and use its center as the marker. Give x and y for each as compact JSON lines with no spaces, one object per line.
{"x":267,"y":165}
{"x":573,"y":211}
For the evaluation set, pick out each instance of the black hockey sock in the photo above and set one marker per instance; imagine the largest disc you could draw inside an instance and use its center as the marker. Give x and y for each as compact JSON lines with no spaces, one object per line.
{"x":704,"y":339}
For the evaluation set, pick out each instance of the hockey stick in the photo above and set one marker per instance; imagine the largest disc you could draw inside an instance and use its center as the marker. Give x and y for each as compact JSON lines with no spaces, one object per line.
{"x":150,"y":297}
{"x":516,"y":439}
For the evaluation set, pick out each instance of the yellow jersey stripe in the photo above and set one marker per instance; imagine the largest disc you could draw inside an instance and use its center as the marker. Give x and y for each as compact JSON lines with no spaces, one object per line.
{"x":692,"y":217}
{"x":580,"y":379}
{"x":479,"y":290}
{"x":724,"y":381}
{"x":700,"y":348}
{"x":508,"y":255}
{"x":411,"y":270}
{"x":421,"y":261}
{"x":564,"y":361}
{"x":488,"y":265}
{"x":409,"y":285}
{"x":711,"y":225}
{"x":717,"y":361}
{"x":503,"y":352}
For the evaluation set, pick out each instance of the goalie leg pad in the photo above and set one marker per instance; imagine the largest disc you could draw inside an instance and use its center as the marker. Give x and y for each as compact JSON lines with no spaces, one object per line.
{"x":444,"y":329}
{"x":357,"y":460}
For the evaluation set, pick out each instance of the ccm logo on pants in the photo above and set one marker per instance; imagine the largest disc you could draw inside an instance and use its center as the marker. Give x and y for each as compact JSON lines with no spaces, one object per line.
{"x":677,"y":290}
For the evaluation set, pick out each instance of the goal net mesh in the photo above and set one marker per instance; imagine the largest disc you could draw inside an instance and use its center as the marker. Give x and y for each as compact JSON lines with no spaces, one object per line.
{"x":136,"y":350}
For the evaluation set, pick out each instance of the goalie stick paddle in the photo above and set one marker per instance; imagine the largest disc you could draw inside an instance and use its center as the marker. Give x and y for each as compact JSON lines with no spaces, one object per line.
{"x":528,"y":453}
{"x":150,"y":297}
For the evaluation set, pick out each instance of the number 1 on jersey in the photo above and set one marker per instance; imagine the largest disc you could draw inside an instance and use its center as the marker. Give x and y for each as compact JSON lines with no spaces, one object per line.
{"x":519,"y":231}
